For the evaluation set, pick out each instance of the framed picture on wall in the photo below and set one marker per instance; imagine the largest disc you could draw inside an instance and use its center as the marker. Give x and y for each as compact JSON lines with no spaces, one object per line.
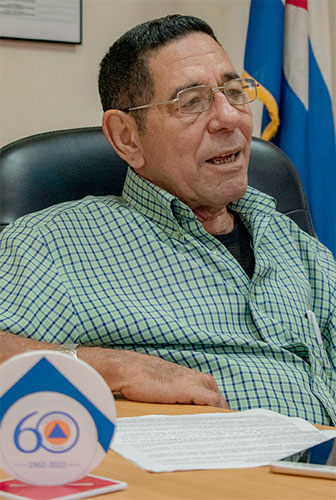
{"x":42,"y":20}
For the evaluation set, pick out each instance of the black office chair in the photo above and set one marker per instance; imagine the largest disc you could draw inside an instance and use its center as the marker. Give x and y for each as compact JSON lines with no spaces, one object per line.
{"x":49,"y":168}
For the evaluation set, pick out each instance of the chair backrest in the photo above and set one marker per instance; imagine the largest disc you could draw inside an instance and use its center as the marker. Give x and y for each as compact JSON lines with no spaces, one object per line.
{"x":53,"y":167}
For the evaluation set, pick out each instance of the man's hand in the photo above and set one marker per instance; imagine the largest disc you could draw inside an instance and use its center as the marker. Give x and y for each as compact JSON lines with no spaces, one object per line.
{"x":141,"y":377}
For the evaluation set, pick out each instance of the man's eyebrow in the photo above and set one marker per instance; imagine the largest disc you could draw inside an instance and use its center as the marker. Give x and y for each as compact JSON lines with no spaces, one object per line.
{"x":227,"y":76}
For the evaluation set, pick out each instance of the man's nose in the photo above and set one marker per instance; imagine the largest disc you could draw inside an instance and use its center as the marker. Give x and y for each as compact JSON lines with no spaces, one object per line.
{"x":222,"y":114}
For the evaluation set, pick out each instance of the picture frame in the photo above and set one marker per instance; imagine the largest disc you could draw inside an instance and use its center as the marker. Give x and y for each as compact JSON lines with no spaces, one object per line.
{"x":42,"y":20}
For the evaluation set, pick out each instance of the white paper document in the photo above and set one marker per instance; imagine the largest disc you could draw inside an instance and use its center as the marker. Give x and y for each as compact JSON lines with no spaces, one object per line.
{"x":163,"y":443}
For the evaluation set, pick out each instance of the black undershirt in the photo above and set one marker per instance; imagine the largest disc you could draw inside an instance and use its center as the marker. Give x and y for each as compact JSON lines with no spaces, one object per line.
{"x":239,"y":244}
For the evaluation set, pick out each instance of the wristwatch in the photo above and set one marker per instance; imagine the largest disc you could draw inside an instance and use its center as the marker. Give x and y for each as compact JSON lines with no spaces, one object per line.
{"x":70,"y":349}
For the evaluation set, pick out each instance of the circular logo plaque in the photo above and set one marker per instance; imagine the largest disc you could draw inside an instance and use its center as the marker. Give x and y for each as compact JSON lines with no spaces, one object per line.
{"x":57,"y":418}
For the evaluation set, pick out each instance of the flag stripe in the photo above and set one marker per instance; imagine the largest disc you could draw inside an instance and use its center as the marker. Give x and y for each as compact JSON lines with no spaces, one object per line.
{"x":298,"y":3}
{"x":295,"y":62}
{"x":288,"y":52}
{"x":321,"y":44}
{"x":266,"y":45}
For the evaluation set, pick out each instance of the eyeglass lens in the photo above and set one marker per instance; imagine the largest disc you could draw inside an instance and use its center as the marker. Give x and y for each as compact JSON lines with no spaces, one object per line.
{"x":198,"y":99}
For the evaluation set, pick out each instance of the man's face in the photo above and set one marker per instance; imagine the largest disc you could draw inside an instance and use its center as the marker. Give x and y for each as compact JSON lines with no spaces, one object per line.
{"x":200,"y":158}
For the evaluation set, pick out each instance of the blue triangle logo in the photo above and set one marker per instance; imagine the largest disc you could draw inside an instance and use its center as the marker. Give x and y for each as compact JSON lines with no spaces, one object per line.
{"x":57,"y":432}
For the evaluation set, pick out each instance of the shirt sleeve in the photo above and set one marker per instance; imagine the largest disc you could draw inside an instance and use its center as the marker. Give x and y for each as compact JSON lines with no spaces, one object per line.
{"x":33,"y":299}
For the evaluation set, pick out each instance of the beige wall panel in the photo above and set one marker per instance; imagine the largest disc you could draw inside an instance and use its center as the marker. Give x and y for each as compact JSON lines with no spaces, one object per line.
{"x":49,"y":86}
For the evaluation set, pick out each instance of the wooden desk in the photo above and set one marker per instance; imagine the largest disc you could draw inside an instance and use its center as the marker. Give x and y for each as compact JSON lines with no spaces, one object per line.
{"x":229,"y":484}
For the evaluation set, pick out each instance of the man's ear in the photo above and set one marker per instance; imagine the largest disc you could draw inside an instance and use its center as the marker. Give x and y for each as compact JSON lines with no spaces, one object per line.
{"x":121,"y":130}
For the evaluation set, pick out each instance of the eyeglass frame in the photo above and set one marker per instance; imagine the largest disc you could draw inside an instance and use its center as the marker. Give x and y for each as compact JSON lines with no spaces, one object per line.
{"x":213,"y":90}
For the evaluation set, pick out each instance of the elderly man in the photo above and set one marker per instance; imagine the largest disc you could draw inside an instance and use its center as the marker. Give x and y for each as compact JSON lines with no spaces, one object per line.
{"x":190,"y":288}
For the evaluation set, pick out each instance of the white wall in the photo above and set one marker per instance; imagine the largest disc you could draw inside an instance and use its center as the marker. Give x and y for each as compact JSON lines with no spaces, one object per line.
{"x":49,"y":86}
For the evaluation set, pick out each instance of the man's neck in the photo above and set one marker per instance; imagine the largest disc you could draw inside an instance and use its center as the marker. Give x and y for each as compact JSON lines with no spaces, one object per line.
{"x":215,"y":222}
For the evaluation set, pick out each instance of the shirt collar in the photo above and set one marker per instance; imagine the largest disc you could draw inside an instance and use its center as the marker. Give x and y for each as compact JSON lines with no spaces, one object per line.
{"x":150,"y":200}
{"x":165,"y":209}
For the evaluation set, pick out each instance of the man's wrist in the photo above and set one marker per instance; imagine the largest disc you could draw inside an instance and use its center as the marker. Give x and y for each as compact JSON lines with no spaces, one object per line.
{"x":70,"y":349}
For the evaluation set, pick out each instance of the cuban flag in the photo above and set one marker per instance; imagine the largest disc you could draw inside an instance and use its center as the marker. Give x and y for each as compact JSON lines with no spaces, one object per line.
{"x":288,"y":51}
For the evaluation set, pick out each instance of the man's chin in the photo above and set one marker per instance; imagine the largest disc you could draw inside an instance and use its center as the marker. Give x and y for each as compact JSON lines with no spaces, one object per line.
{"x":241,"y":193}
{"x":236,"y":192}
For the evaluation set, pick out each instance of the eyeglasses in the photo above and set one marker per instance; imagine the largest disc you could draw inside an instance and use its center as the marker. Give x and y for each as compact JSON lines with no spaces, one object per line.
{"x":238,"y":92}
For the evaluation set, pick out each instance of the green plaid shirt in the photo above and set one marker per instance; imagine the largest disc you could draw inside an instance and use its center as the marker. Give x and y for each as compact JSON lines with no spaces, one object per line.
{"x":140,"y":273}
